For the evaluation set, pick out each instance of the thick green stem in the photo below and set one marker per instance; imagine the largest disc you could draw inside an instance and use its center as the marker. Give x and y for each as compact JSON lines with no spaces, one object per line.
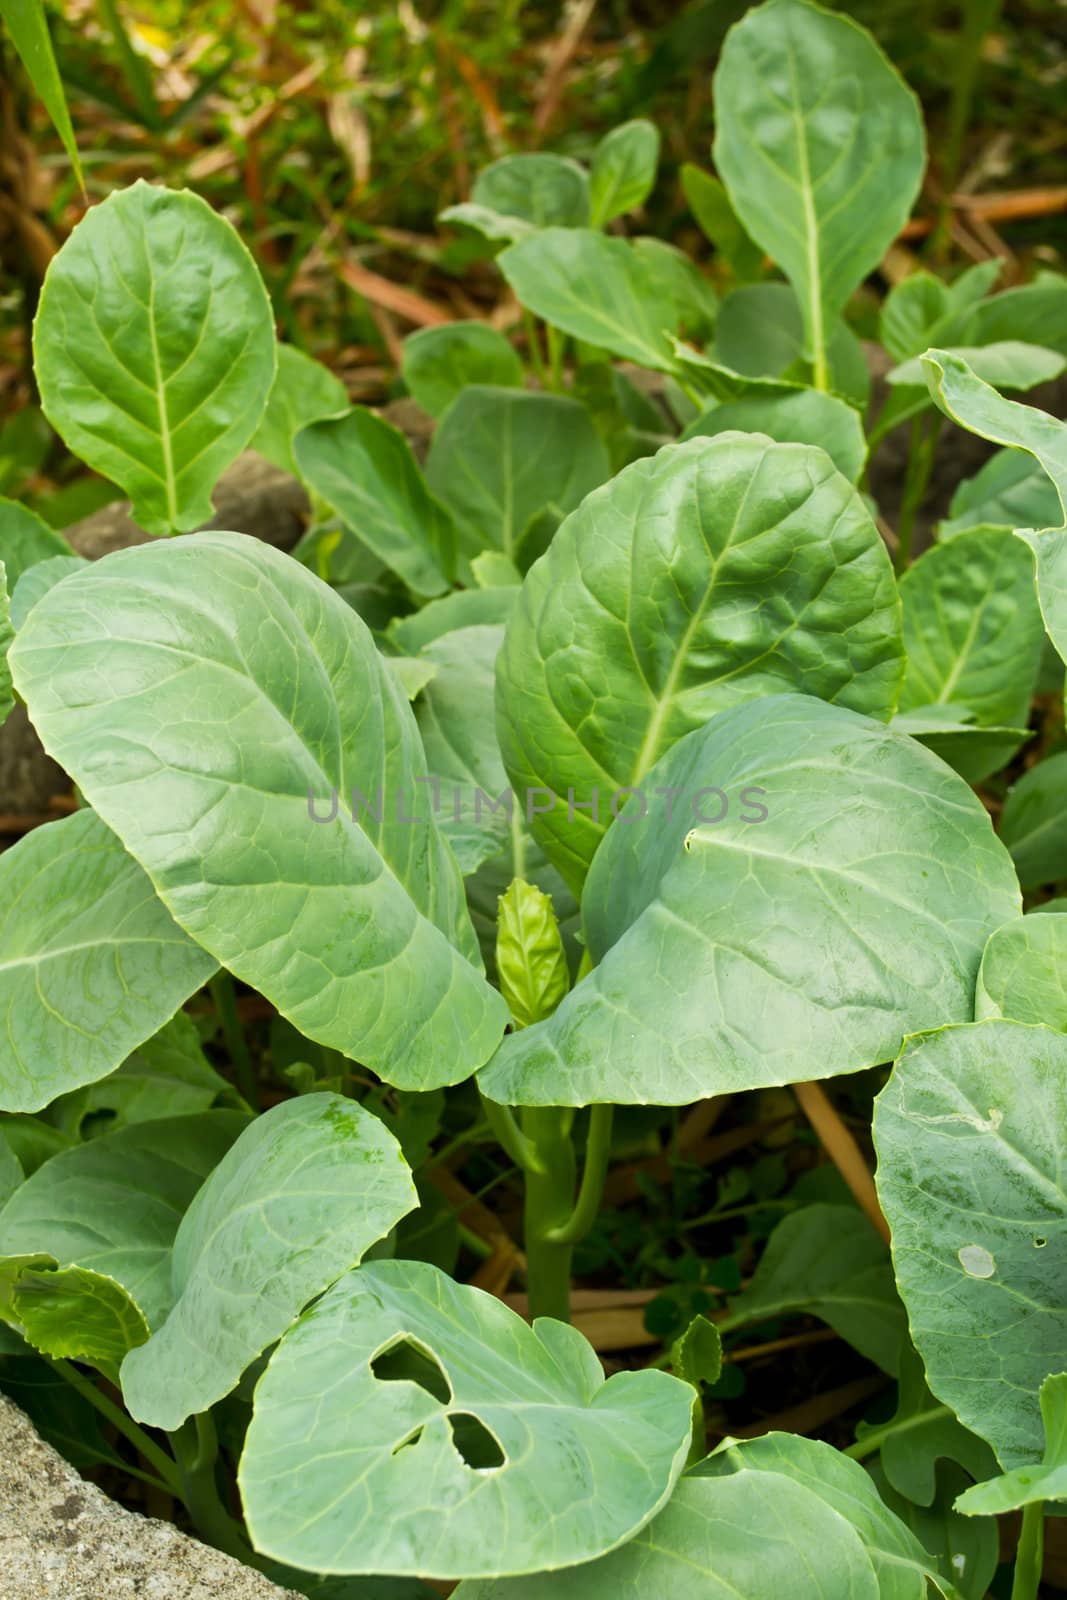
{"x":509,"y":1135}
{"x":123,"y":1423}
{"x":875,"y":1439}
{"x":1029,"y":1557}
{"x":594,"y":1172}
{"x":196,"y":1450}
{"x":222,"y":992}
{"x":549,"y":1203}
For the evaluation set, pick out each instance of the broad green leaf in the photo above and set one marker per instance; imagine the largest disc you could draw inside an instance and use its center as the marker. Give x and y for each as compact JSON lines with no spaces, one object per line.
{"x":827,"y":1261}
{"x":306,"y":1190}
{"x":714,"y":572}
{"x":69,"y":1313}
{"x":1033,"y":823}
{"x":953,"y":733}
{"x":702,"y":987}
{"x":27,"y":24}
{"x":153,"y":348}
{"x":366,"y":469}
{"x":623,"y":170}
{"x":37,"y":581}
{"x":539,"y":188}
{"x":597,"y":289}
{"x":966,"y":1549}
{"x":970,"y":1139}
{"x":702,"y":1544}
{"x":792,"y":416}
{"x":759,"y":332}
{"x":1011,"y":490}
{"x":681,"y":289}
{"x":1024,"y":972}
{"x":901,"y":1563}
{"x":1046,"y":1480}
{"x":33,"y":1142}
{"x":1007,"y":365}
{"x":972,"y":628}
{"x":910,"y":313}
{"x":113,"y":1206}
{"x":439,"y":363}
{"x":303,"y":391}
{"x":501,"y":456}
{"x":227,"y":684}
{"x":1034,"y":313}
{"x":710,"y":205}
{"x":91,"y":963}
{"x":465,"y":608}
{"x":820,"y":145}
{"x":920,"y":1435}
{"x":405,"y":1415}
{"x":26,"y":539}
{"x":530,"y":961}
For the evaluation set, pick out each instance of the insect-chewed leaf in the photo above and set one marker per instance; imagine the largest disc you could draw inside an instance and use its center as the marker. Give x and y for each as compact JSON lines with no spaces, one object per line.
{"x":113,"y":1205}
{"x":891,"y":874}
{"x":1024,"y":972}
{"x":91,"y":962}
{"x":306,"y":1189}
{"x":154,"y":349}
{"x":971,"y":1150}
{"x":200,"y":691}
{"x":406,"y":1414}
{"x":714,"y":572}
{"x":820,"y":144}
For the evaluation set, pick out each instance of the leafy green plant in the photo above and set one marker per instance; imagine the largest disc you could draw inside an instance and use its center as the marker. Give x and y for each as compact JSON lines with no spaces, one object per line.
{"x":594,"y":765}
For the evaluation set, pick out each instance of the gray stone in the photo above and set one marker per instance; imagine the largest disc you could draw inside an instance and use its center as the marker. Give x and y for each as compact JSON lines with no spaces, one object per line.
{"x":62,"y":1539}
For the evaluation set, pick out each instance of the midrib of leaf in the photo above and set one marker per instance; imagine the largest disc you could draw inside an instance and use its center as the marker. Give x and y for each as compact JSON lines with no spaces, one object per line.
{"x":161,"y":399}
{"x":819,"y":370}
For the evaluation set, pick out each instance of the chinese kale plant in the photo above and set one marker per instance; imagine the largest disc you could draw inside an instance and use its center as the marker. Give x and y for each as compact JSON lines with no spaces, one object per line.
{"x":600,"y":760}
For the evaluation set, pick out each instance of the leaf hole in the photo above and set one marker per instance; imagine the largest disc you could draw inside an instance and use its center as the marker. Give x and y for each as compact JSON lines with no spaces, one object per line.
{"x":404,"y":1444}
{"x":475,"y":1443}
{"x":407,"y":1361}
{"x":1040,"y":1243}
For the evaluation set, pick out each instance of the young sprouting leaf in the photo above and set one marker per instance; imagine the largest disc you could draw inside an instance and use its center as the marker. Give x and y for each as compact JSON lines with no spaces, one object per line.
{"x":910,"y":313}
{"x":1008,"y":365}
{"x":791,"y":415}
{"x":820,"y":145}
{"x":710,"y":205}
{"x":1033,"y":823}
{"x":759,"y":332}
{"x":713,"y":572}
{"x":25,"y":539}
{"x":438,"y":363}
{"x":257,"y":687}
{"x":153,"y":348}
{"x":303,"y":391}
{"x":970,"y":1139}
{"x":697,"y":1356}
{"x":500,"y":456}
{"x":1023,"y":972}
{"x":541,"y":189}
{"x":27,"y":23}
{"x":366,"y":469}
{"x":302,"y":1195}
{"x":37,"y":581}
{"x":1044,"y":1480}
{"x":91,"y":963}
{"x":530,"y":961}
{"x":623,"y":170}
{"x":405,"y":1414}
{"x":494,"y":570}
{"x":598,"y":290}
{"x":920,"y":1435}
{"x":69,"y":1313}
{"x":700,"y":986}
{"x":464,"y":608}
{"x":112,"y":1206}
{"x":827,"y":1261}
{"x":1010,"y":491}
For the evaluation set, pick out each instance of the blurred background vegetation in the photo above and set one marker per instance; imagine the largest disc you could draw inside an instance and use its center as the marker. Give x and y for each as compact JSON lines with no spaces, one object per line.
{"x":332,"y":133}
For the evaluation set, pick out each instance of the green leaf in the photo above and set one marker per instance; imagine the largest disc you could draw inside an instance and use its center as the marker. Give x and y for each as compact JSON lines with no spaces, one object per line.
{"x":820,"y":145}
{"x":405,"y":1415}
{"x":1033,"y":823}
{"x":1023,"y":972}
{"x":113,"y":1206}
{"x":530,"y":961}
{"x":759,"y":332}
{"x":827,"y":1261}
{"x":891,"y":898}
{"x":1033,"y":313}
{"x":540,"y":189}
{"x":25,"y":540}
{"x":11,"y":1173}
{"x":972,"y":628}
{"x":500,"y":456}
{"x":697,"y":1356}
{"x":710,"y":205}
{"x":970,"y":1139}
{"x":439,"y":363}
{"x":910,"y":313}
{"x":1046,"y":1480}
{"x":306,"y":1190}
{"x":69,"y":1313}
{"x":1008,"y":365}
{"x":153,"y":348}
{"x":966,"y":1549}
{"x":678,"y":283}
{"x":41,"y":577}
{"x":623,"y":170}
{"x":920,"y":1435}
{"x":225,"y":685}
{"x":714,"y":572}
{"x":7,"y":634}
{"x":303,"y":391}
{"x":792,"y":416}
{"x":953,"y":733}
{"x":466,"y":608}
{"x":27,"y":24}
{"x":365,"y":468}
{"x":91,"y":964}
{"x":1011,"y":490}
{"x":599,"y":290}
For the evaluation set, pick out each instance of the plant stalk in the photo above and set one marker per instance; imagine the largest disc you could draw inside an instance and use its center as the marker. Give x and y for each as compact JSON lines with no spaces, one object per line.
{"x":1029,"y":1557}
{"x":222,"y":993}
{"x":124,"y":1424}
{"x":549,"y":1203}
{"x":920,"y":465}
{"x":594,"y":1172}
{"x":196,"y":1449}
